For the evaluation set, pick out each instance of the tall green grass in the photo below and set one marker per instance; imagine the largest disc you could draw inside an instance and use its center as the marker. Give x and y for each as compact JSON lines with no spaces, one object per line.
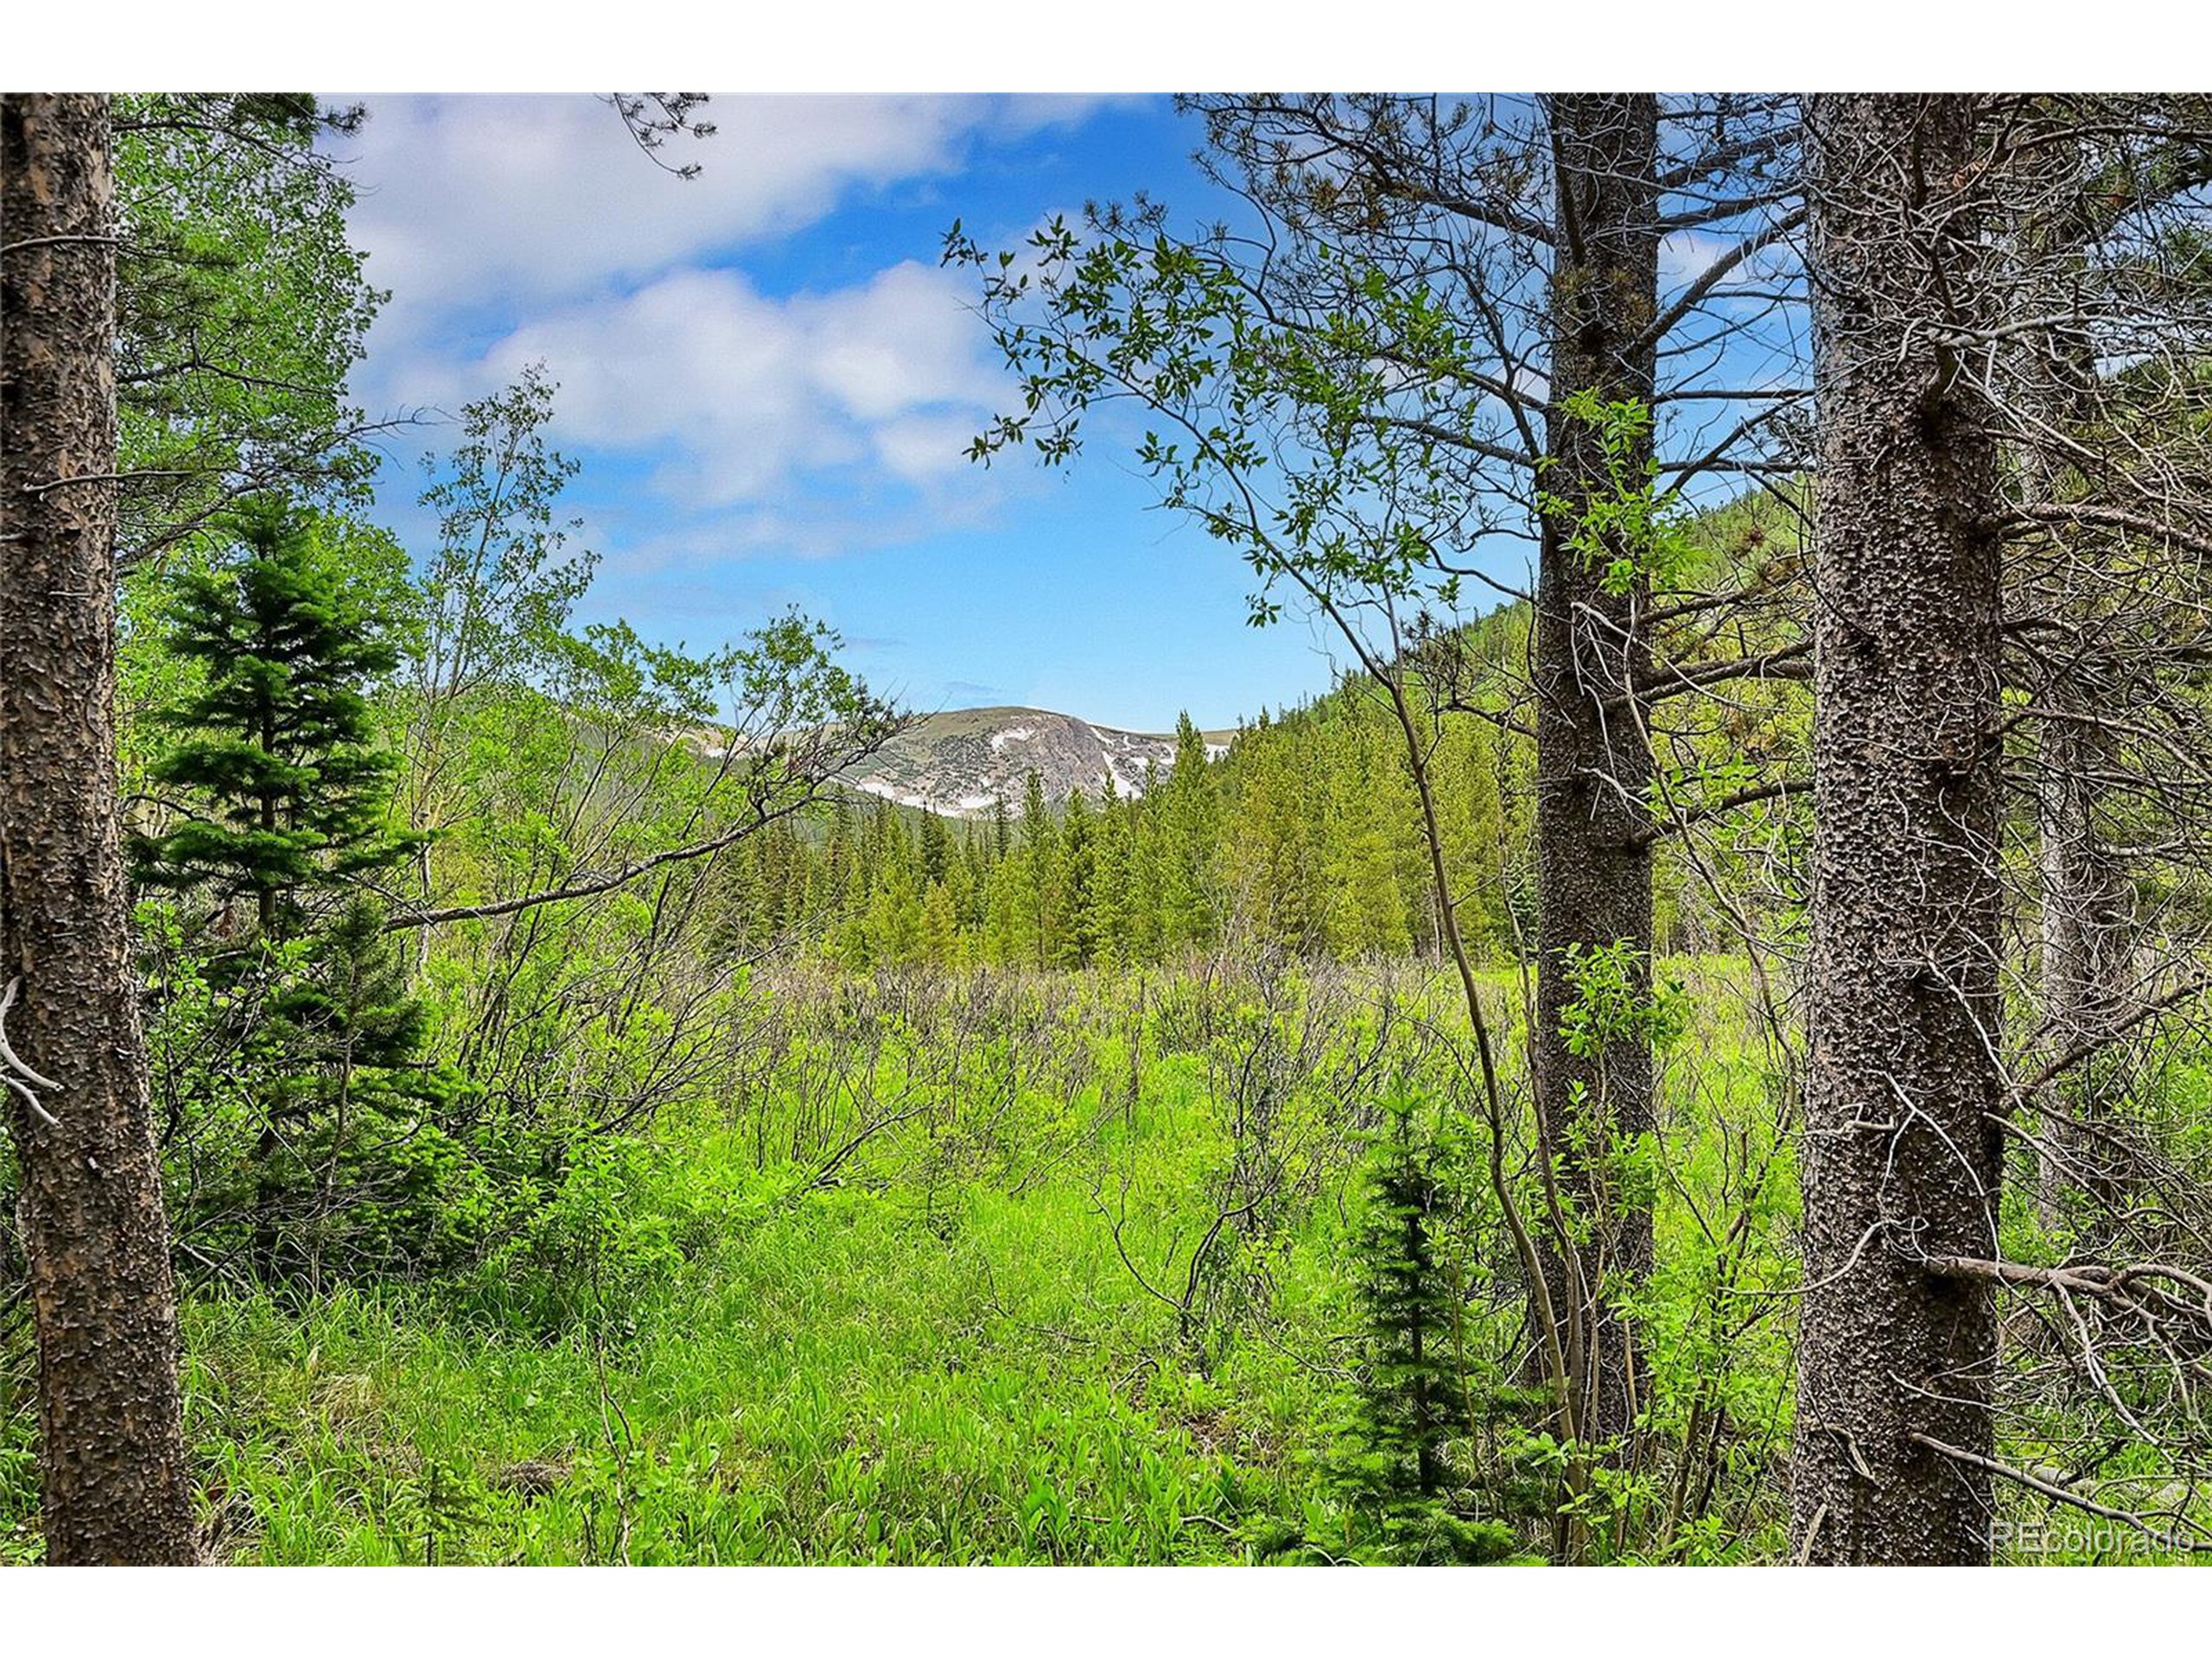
{"x":695,"y":1354}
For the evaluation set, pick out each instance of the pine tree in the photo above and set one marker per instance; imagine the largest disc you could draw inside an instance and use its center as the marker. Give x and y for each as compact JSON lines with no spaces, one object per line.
{"x":1146,"y":863}
{"x":283,"y":795}
{"x":1408,"y":1401}
{"x":1370,"y":816}
{"x":894,"y":917}
{"x":939,"y":943}
{"x":1007,"y":929}
{"x":1110,"y":897}
{"x":936,"y":847}
{"x":1270,"y":842}
{"x":279,"y":740}
{"x":1188,"y":824}
{"x":1078,"y":942}
{"x":834,"y":892}
{"x":1040,"y":869}
{"x":965,"y":881}
{"x":344,"y":1088}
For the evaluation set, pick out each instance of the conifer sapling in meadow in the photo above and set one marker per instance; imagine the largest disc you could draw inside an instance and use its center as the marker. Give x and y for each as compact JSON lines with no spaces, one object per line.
{"x":280,"y":793}
{"x":1410,"y":1399}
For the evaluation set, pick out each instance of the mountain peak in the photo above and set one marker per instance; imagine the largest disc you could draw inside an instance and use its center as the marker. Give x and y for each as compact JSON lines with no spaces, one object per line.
{"x":959,"y":763}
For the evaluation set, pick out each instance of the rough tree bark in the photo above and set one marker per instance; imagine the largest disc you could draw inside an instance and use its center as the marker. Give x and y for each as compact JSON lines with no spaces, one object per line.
{"x":1901,"y":1146}
{"x":103,"y":1298}
{"x":1594,"y":864}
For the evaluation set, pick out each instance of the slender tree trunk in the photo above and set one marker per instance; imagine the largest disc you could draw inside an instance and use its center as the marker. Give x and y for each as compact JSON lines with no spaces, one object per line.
{"x":2087,"y":899}
{"x":103,"y":1302}
{"x":1594,"y":859}
{"x":1901,"y":1146}
{"x":2087,"y":932}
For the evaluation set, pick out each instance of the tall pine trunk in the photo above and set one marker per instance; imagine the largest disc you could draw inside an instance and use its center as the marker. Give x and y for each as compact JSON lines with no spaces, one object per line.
{"x":1900,"y":1156}
{"x":103,"y":1299}
{"x":1593,"y":858}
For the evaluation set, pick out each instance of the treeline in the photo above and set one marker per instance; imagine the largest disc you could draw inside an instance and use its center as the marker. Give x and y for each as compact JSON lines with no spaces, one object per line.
{"x":1304,"y":837}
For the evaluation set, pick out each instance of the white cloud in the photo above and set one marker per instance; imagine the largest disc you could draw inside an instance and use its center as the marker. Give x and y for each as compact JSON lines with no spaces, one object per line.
{"x":737,"y":394}
{"x":926,"y":448}
{"x":1685,"y":256}
{"x":514,"y":229}
{"x":469,"y":199}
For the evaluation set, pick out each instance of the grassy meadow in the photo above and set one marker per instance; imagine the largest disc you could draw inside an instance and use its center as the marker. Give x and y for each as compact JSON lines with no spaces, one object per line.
{"x":1062,"y":1270}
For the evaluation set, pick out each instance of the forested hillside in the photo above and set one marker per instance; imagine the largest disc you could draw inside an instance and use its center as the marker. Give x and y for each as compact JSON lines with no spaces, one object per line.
{"x":1689,"y":1047}
{"x":1302,"y":836}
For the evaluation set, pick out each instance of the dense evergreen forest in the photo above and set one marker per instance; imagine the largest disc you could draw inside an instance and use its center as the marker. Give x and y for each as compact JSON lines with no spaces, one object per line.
{"x":1696,"y":1055}
{"x":1303,"y":840}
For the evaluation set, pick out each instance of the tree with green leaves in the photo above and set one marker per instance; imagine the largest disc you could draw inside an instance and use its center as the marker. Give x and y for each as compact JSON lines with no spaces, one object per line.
{"x":242,"y":307}
{"x":498,"y":590}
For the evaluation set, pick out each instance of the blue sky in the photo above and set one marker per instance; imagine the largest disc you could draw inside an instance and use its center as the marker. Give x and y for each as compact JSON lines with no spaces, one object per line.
{"x":769,"y":383}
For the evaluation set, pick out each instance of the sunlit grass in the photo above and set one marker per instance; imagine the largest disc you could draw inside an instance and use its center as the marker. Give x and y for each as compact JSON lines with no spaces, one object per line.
{"x":834,"y":1378}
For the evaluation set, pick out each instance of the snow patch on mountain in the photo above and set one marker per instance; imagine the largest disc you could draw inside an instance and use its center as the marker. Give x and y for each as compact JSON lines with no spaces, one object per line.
{"x":962,"y":764}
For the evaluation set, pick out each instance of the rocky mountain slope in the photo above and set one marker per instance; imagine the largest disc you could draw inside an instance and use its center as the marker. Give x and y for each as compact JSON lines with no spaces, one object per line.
{"x":956,"y":763}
